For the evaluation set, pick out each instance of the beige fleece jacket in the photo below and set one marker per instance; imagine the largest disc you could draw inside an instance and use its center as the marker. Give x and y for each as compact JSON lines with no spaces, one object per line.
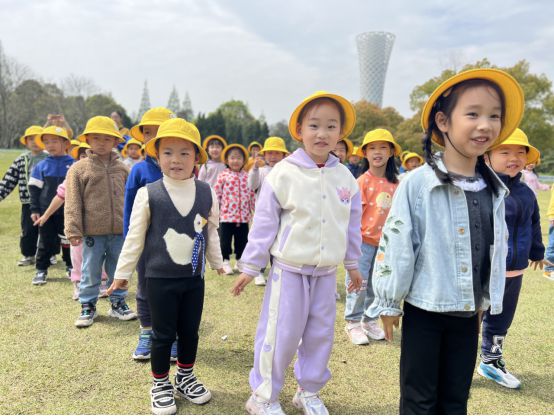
{"x":94,"y":196}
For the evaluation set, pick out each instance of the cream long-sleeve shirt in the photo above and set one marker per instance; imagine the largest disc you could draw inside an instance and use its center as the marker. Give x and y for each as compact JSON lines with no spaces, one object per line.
{"x":180,"y":192}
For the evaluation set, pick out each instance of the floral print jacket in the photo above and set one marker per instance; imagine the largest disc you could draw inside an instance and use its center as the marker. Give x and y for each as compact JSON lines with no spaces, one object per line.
{"x":236,"y":199}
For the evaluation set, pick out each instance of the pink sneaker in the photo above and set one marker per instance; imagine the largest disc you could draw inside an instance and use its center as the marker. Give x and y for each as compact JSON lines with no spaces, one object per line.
{"x":355,"y":333}
{"x":373,"y":330}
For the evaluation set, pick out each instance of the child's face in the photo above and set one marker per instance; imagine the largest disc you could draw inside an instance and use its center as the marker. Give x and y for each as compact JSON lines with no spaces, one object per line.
{"x":149,"y":132}
{"x":475,"y":121}
{"x":55,"y":145}
{"x":378,"y":153}
{"x":82,"y":154}
{"x":341,"y":151}
{"x":272,"y":157}
{"x":133,"y":151}
{"x":530,"y":166}
{"x":235,"y":160}
{"x":320,"y":131}
{"x":101,"y":144}
{"x":214,"y":150}
{"x":412,"y":163}
{"x":32,"y":145}
{"x":354,"y":159}
{"x":508,"y":159}
{"x":177,"y":158}
{"x":254,"y":151}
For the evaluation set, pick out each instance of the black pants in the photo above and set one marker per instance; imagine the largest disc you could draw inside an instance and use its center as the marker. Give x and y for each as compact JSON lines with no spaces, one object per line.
{"x":230,"y":230}
{"x":29,"y":233}
{"x":49,"y":243}
{"x":176,"y":307}
{"x":437,"y":360}
{"x":495,"y":327}
{"x":143,"y":306}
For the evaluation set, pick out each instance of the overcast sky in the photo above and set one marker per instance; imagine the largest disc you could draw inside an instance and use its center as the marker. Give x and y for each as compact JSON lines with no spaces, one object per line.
{"x":271,"y":53}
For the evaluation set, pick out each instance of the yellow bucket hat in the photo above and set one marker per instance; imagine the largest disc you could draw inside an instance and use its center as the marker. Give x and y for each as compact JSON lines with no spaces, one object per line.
{"x":75,"y":151}
{"x":30,"y":131}
{"x":75,"y":142}
{"x":274,"y":144}
{"x":53,"y":130}
{"x":252,"y":144}
{"x":153,"y":117}
{"x":513,"y":97}
{"x":235,"y":146}
{"x":101,"y":125}
{"x":355,"y":150}
{"x":409,"y":155}
{"x":379,"y":135}
{"x":348,"y":108}
{"x":130,"y":142}
{"x":180,"y":129}
{"x":519,"y":138}
{"x":208,"y":139}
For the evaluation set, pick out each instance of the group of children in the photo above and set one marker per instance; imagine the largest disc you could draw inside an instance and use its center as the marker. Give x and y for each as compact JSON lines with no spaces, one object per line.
{"x":303,"y":214}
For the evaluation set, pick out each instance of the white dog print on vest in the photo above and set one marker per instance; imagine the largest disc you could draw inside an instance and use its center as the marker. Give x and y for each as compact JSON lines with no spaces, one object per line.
{"x":180,"y":246}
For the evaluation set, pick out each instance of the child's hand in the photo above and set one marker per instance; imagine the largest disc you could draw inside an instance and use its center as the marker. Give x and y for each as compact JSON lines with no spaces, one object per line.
{"x":389,"y":323}
{"x":35,"y":217}
{"x":118,"y":284}
{"x":355,"y":282}
{"x":260,"y":161}
{"x":220,"y":271}
{"x":540,"y":264}
{"x":75,"y":241}
{"x":40,"y":221}
{"x":240,"y":284}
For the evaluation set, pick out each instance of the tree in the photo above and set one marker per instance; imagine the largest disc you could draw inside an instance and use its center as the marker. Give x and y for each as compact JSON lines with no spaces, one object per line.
{"x":186,"y":109}
{"x":173,"y":102}
{"x":144,"y":101}
{"x":370,"y":117}
{"x":281,"y":129}
{"x":77,"y":86}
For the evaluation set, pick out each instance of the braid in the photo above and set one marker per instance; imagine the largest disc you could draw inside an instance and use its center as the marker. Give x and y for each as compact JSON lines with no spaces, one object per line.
{"x":444,"y":177}
{"x":487,"y":174}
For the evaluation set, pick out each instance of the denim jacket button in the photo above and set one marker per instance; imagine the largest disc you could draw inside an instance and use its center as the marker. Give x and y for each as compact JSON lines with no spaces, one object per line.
{"x":461,"y":230}
{"x":467,"y":307}
{"x":464,"y":269}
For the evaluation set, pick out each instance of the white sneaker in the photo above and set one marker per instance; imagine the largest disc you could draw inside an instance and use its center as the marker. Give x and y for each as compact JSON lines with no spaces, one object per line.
{"x":259,"y":280}
{"x":227,"y":267}
{"x":162,"y":398}
{"x":75,"y":291}
{"x":256,"y":406}
{"x":496,"y":371}
{"x":309,"y":403}
{"x":355,"y":333}
{"x":373,"y":330}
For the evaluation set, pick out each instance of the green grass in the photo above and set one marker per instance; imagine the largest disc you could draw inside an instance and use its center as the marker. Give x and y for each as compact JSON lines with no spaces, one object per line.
{"x":49,"y":366}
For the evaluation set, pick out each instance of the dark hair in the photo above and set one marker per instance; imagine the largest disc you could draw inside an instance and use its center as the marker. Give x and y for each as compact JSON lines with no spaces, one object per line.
{"x":391,"y":170}
{"x":446,"y":104}
{"x":316,"y":103}
{"x":80,"y":152}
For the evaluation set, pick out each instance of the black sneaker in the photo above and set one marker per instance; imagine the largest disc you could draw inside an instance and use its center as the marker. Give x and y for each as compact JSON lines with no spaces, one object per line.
{"x":86,"y":318}
{"x":188,"y":387}
{"x":162,"y":398}
{"x":121,"y":311}
{"x":40,"y":277}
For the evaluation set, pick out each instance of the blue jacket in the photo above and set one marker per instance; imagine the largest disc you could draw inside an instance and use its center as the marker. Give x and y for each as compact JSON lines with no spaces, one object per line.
{"x":424,"y":254}
{"x":142,"y":173}
{"x":524,"y":224}
{"x":45,"y":178}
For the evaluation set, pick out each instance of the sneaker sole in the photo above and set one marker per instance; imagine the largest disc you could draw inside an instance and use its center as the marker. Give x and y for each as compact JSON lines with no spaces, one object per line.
{"x":165,"y":411}
{"x":492,"y":376}
{"x":141,"y":357}
{"x":373,"y":336}
{"x":298,"y":404}
{"x":129,"y":317}
{"x":39,"y":283}
{"x":198,"y":400}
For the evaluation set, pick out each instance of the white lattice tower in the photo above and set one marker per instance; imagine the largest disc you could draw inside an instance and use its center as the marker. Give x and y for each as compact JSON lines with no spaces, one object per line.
{"x":374,"y":49}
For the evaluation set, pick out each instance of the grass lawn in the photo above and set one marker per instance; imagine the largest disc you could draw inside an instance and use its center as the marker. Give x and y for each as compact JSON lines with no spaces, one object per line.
{"x":49,"y":366}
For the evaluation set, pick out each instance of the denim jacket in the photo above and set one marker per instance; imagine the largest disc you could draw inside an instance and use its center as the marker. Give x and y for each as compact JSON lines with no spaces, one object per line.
{"x":424,"y":255}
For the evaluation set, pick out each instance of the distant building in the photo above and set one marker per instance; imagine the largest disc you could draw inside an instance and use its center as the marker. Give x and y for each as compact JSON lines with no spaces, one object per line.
{"x":374,"y":49}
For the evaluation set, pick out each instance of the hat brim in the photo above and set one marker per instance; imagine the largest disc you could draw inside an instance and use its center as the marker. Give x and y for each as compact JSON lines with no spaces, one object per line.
{"x":349,"y":114}
{"x":83,"y":138}
{"x":211,"y":138}
{"x":150,"y":147}
{"x":411,"y":156}
{"x":40,"y":143}
{"x":274,"y":149}
{"x":513,"y":96}
{"x":397,"y":148}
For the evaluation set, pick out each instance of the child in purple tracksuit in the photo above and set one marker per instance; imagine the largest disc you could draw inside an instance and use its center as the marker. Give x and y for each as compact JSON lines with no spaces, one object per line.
{"x":307,"y":220}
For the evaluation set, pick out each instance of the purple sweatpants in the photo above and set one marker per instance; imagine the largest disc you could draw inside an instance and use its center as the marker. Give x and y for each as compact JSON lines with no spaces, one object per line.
{"x":299,"y":307}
